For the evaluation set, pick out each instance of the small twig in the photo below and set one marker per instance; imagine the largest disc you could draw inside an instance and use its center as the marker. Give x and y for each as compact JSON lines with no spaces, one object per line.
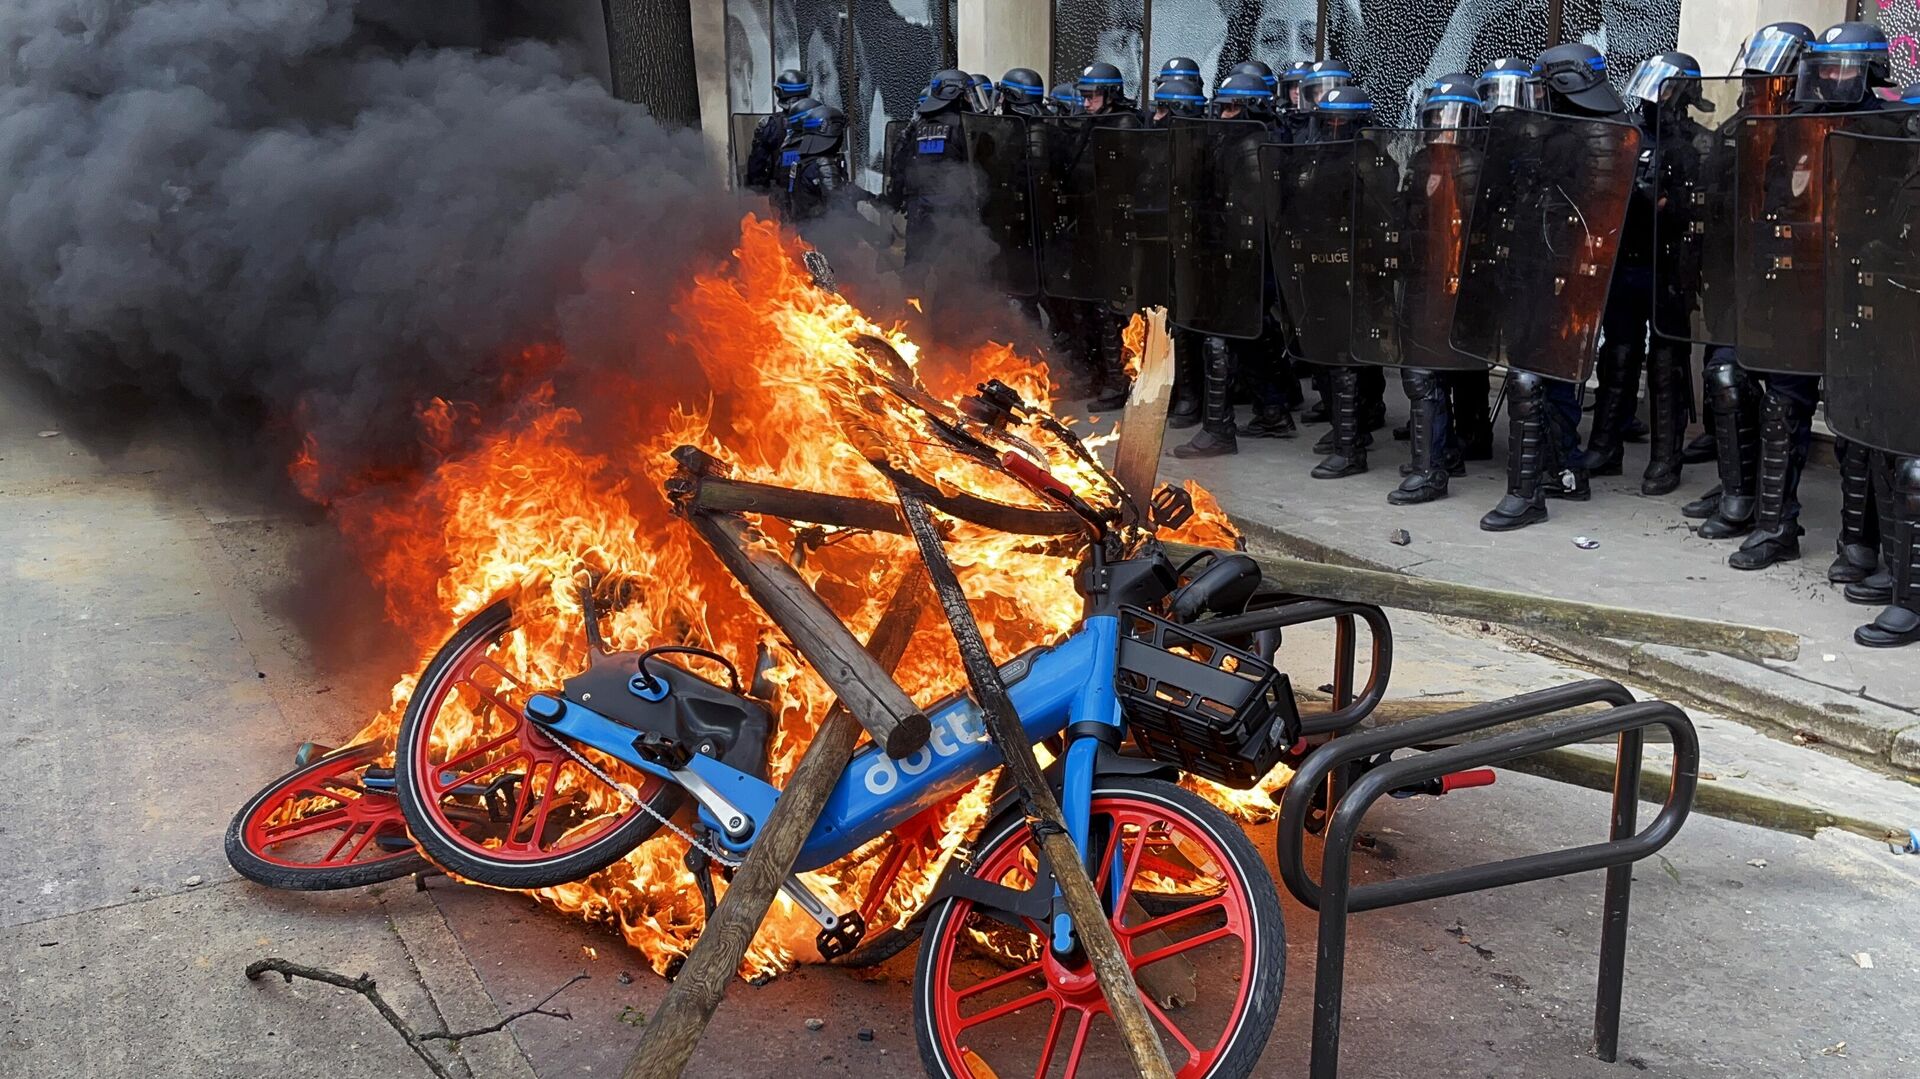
{"x":366,"y":987}
{"x":538,"y":1009}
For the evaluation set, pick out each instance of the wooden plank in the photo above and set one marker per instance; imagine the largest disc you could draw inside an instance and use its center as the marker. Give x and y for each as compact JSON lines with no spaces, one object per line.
{"x":866,"y":689}
{"x":677,"y":1025}
{"x":1143,"y":426}
{"x":1083,"y":904}
{"x":1518,"y":609}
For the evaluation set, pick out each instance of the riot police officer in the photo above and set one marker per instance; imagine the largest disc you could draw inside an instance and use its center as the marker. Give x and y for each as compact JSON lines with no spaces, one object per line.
{"x":1181,"y":96}
{"x":1543,"y":442}
{"x":982,"y":94}
{"x":790,"y":87}
{"x":1240,"y":96}
{"x":1837,"y":72}
{"x":1176,"y":97}
{"x":1450,"y":104}
{"x":1292,"y":112}
{"x":1103,"y":93}
{"x":1732,"y":396}
{"x":1355,"y":396}
{"x":817,"y":182}
{"x":929,"y":179}
{"x":1065,"y":101}
{"x":1022,"y":93}
{"x":1629,"y":317}
{"x":1181,"y":68}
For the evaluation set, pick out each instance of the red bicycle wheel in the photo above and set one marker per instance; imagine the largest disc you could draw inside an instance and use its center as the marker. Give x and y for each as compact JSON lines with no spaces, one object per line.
{"x":489,"y":795}
{"x":321,"y":827}
{"x":1199,"y":921}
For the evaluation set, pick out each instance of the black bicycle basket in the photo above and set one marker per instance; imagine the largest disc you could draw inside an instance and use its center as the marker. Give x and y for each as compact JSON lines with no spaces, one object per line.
{"x":1214,"y":710}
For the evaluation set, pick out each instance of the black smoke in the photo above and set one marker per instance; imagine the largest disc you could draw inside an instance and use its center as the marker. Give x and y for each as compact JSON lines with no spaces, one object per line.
{"x":315,"y":214}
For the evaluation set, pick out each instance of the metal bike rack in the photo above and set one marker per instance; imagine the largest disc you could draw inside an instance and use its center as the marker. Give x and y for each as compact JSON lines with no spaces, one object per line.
{"x":1337,"y":899}
{"x":1348,"y":709}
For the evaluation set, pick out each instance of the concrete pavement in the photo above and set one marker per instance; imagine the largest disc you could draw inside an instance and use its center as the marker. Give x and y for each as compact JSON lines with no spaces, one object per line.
{"x":1858,"y":700}
{"x":139,"y":620}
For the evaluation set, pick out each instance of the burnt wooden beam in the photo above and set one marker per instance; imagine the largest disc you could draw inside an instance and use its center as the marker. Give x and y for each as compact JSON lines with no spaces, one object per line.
{"x":1143,"y":426}
{"x":677,"y":1025}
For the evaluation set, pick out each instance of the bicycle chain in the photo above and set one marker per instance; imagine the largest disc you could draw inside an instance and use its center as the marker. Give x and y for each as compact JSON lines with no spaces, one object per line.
{"x":632,"y":798}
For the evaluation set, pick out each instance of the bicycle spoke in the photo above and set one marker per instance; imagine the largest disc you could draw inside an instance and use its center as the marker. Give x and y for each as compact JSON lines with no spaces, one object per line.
{"x":1052,"y":1039}
{"x":304,"y":827}
{"x":1172,"y":1028}
{"x":341,"y":842}
{"x":1001,"y":1011}
{"x":1175,"y":918}
{"x":1079,"y":1045}
{"x":1179,"y":946}
{"x":995,"y":983}
{"x":485,"y":747}
{"x":365,"y":838}
{"x":485,"y":769}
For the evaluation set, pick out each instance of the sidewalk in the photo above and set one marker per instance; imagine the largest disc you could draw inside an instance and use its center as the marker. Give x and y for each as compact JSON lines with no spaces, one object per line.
{"x":1860,"y":700}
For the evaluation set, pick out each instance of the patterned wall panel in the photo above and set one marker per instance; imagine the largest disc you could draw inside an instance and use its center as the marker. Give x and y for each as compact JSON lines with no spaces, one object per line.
{"x":1627,"y":31}
{"x":1398,"y":47}
{"x":897,"y":44}
{"x":812,"y":35}
{"x":1089,"y":30}
{"x":750,"y":55}
{"x":1901,"y":20}
{"x":1221,"y":33}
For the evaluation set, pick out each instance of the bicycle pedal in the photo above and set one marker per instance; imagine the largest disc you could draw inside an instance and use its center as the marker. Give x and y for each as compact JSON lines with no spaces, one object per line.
{"x":844,"y":937}
{"x":1170,"y":506}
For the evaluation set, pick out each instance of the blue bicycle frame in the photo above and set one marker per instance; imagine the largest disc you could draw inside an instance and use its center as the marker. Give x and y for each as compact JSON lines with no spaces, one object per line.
{"x":1053,"y":689}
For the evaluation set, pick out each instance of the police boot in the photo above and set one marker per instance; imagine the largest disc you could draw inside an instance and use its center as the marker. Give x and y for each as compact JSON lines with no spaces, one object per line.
{"x":1187,"y":393}
{"x":1699,"y":449}
{"x":1525,"y":502}
{"x":1113,"y":387}
{"x":1667,"y":381}
{"x":1216,"y":435}
{"x":1703,"y":507}
{"x":1348,"y":456}
{"x":1613,"y":407}
{"x":1876,"y":588}
{"x":1427,"y":481}
{"x":1857,"y":550}
{"x":1270,"y":420}
{"x":1900,"y":623}
{"x":1774,"y":539}
{"x":1320,"y":411}
{"x":1736,"y":436}
{"x":1373,"y":400}
{"x":1472,"y":414}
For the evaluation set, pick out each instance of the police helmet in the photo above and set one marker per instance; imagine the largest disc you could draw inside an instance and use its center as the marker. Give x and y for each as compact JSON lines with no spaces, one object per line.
{"x":1321,"y":78}
{"x":1022,"y":86}
{"x":1257,"y":67}
{"x":819,"y":129}
{"x":1578,"y":73}
{"x":796,"y":108}
{"x":1654,"y":70}
{"x":1843,"y":64}
{"x":1178,"y":67}
{"x":980,"y":93}
{"x":1451,"y":101}
{"x":1245,"y":90}
{"x":1102,"y":78}
{"x":791,"y":85}
{"x":947,"y":89}
{"x":1066,"y":100}
{"x":1774,"y":49}
{"x":1184,"y":97}
{"x":1339,"y":113}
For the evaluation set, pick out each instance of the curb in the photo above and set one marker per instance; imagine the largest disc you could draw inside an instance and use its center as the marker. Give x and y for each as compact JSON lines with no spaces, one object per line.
{"x":1781,"y":704}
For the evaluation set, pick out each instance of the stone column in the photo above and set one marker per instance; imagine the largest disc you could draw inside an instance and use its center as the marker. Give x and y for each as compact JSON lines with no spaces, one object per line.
{"x":998,"y":34}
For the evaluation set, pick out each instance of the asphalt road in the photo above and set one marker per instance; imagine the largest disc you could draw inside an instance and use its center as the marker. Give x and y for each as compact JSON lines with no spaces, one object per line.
{"x":152,"y":679}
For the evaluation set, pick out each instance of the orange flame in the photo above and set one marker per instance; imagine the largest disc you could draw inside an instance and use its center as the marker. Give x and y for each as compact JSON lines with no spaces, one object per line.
{"x":519,"y":497}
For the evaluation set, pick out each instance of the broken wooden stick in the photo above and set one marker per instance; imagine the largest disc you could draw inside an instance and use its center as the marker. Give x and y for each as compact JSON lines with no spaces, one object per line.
{"x":1143,"y":426}
{"x":1049,"y":827}
{"x":681,"y":1019}
{"x":367,"y":987}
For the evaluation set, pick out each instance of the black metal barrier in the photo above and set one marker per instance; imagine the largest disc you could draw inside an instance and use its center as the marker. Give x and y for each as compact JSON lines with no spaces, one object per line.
{"x":1292,"y":611}
{"x":1337,"y":898}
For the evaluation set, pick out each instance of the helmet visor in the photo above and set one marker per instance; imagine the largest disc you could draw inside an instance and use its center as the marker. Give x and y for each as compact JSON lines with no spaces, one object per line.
{"x":1313,"y":91}
{"x":1769,"y":52}
{"x":1835,"y":78}
{"x":1513,"y":90}
{"x":1449,"y":110}
{"x":1645,"y":84}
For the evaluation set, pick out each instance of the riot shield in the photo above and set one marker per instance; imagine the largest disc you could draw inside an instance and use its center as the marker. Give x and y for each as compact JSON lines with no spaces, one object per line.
{"x":1310,"y":191}
{"x":740,"y":133}
{"x":1872,"y":214}
{"x":1545,"y":230}
{"x":1412,"y":194}
{"x":1130,"y":170}
{"x":997,"y":153}
{"x":1693,"y":193}
{"x":1215,"y":234}
{"x":895,"y":130}
{"x":1779,"y":236}
{"x":1076,"y":262}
